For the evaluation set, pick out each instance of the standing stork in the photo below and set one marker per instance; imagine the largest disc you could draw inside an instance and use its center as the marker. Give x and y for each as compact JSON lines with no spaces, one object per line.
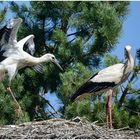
{"x":106,"y":80}
{"x":13,"y":57}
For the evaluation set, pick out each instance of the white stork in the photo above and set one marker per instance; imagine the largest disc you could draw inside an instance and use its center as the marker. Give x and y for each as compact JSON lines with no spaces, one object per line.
{"x":106,"y":80}
{"x":13,"y":57}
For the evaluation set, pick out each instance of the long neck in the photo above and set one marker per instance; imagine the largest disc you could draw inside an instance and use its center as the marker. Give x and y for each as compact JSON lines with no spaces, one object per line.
{"x":129,"y":61}
{"x":37,"y":60}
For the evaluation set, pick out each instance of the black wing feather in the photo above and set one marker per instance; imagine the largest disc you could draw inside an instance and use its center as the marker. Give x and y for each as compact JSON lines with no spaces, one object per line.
{"x":4,"y":38}
{"x":38,"y":68}
{"x":2,"y":57}
{"x":29,"y":46}
{"x":5,"y":34}
{"x":90,"y":87}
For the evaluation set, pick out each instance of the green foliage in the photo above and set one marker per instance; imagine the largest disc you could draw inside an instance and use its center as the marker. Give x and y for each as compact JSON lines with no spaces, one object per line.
{"x":82,"y":109}
{"x":69,"y":79}
{"x":110,"y":60}
{"x":2,"y":13}
{"x":133,"y":105}
{"x":59,"y":36}
{"x":7,"y":106}
{"x":134,"y":122}
{"x":105,"y":20}
{"x":120,"y":118}
{"x":98,"y":111}
{"x":78,"y":34}
{"x":127,"y":115}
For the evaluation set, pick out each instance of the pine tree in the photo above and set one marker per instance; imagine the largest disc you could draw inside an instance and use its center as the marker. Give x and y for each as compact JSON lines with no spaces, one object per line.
{"x":79,"y":34}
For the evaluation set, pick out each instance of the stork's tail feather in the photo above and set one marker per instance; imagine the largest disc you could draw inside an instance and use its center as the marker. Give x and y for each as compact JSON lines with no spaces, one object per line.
{"x":85,"y":88}
{"x":73,"y":97}
{"x":90,"y":87}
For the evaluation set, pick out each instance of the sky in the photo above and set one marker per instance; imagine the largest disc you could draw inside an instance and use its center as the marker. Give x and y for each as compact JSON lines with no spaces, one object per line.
{"x":130,"y":32}
{"x":130,"y":35}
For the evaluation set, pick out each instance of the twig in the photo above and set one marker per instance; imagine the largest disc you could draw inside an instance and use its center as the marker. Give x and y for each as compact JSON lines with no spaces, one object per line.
{"x":124,"y":128}
{"x":138,"y":113}
{"x":94,"y":122}
{"x":29,"y":131}
{"x":101,"y":124}
{"x":95,"y":128}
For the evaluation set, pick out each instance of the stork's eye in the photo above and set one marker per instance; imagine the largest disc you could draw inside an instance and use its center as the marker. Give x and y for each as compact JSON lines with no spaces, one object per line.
{"x":53,"y":57}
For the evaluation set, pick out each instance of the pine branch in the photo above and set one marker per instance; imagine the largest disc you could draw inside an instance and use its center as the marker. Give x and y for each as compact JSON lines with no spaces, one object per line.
{"x":78,"y":32}
{"x":51,"y":114}
{"x":126,"y":90}
{"x":74,"y":33}
{"x":51,"y":107}
{"x":68,"y":62}
{"x":71,"y":40}
{"x":43,"y":29}
{"x":130,"y":110}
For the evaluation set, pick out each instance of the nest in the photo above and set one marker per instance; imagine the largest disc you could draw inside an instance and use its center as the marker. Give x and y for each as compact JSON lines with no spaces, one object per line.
{"x":64,"y":129}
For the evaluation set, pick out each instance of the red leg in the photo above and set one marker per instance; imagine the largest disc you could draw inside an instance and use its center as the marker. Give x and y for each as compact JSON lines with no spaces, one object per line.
{"x":18,"y":108}
{"x":107,"y":115}
{"x":108,"y":109}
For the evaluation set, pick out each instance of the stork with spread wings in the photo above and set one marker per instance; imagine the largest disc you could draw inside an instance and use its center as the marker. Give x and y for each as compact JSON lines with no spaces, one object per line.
{"x":13,"y":57}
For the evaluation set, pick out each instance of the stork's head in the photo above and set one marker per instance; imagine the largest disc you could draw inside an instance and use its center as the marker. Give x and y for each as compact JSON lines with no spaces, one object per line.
{"x":128,"y":56}
{"x":51,"y":58}
{"x":127,"y":51}
{"x":128,"y":48}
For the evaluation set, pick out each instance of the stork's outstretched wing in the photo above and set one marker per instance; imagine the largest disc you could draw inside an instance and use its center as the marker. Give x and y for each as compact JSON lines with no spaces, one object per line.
{"x":8,"y":34}
{"x":29,"y":45}
{"x":9,"y":45}
{"x":8,"y":37}
{"x":4,"y":39}
{"x":38,"y":68}
{"x":4,"y":35}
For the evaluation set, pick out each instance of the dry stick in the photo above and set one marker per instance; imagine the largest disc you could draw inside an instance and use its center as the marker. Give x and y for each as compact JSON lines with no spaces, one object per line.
{"x":28,"y":133}
{"x":124,"y":128}
{"x":95,"y":128}
{"x":86,"y":135}
{"x":7,"y":132}
{"x":95,"y":122}
{"x":101,"y":124}
{"x":30,"y":128}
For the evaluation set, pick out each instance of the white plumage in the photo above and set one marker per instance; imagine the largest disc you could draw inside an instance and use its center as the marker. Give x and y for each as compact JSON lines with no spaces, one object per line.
{"x":109,"y":74}
{"x":107,"y":79}
{"x":13,"y":57}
